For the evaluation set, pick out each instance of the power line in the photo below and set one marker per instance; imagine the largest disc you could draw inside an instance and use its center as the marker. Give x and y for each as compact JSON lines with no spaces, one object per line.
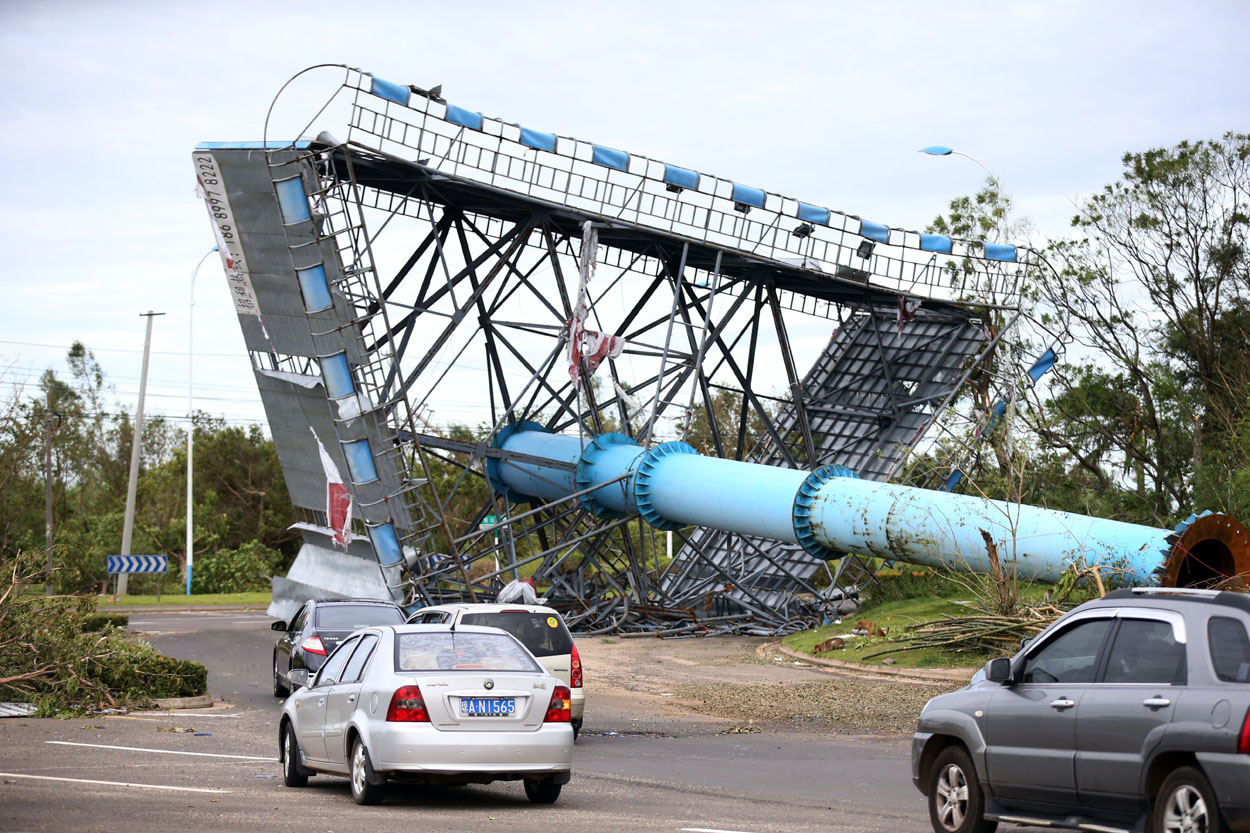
{"x":181,"y":395}
{"x":34,"y":378}
{"x":119,"y":349}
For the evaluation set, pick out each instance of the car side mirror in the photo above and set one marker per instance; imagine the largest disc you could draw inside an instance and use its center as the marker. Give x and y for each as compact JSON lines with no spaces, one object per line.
{"x":998,"y":670}
{"x":277,"y":626}
{"x":298,"y":678}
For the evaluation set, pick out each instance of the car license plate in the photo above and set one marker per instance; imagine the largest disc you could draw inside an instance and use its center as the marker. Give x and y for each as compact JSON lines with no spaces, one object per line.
{"x":487,"y":706}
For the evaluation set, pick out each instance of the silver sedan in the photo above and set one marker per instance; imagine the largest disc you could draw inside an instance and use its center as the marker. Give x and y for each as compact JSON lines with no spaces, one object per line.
{"x":431,"y":704}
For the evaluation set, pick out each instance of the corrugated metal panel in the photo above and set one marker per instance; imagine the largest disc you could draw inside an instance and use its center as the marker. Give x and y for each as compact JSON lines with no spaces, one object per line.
{"x":16,"y":709}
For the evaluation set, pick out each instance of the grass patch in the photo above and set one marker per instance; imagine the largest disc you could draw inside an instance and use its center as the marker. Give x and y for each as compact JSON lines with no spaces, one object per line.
{"x":893,"y":617}
{"x":903,"y":585}
{"x":259,"y":597}
{"x":902,"y":599}
{"x":96,"y":622}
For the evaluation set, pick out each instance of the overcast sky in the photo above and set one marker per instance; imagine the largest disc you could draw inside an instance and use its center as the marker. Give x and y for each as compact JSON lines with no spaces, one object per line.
{"x":824,"y":101}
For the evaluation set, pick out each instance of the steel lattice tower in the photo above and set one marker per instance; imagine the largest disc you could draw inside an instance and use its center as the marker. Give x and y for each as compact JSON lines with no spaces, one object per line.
{"x":437,"y":263}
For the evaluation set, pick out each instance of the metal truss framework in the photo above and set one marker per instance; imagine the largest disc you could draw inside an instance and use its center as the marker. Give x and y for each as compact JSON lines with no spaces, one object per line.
{"x":446,"y":289}
{"x":871,"y":393}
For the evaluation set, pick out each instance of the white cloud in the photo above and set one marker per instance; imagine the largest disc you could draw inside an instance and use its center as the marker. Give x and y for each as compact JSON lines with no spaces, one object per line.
{"x":103,"y":103}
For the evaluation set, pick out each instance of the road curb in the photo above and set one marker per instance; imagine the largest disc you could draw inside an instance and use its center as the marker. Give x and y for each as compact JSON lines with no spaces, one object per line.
{"x":961,"y":675}
{"x":202,"y":701}
{"x":133,"y":609}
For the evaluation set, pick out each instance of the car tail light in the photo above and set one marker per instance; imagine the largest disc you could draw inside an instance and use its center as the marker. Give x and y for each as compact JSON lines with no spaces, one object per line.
{"x":575,"y":675}
{"x":407,"y":706}
{"x":560,"y":708}
{"x":313,"y":645}
{"x":1243,"y":741}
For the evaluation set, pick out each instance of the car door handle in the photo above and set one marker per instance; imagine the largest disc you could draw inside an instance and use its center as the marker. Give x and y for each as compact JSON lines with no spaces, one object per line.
{"x":1156,"y":702}
{"x":351,"y":698}
{"x":1062,"y":703}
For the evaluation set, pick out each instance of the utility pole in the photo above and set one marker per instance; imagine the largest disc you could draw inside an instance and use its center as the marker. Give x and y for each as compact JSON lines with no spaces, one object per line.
{"x":136,"y":450}
{"x":48,"y":416}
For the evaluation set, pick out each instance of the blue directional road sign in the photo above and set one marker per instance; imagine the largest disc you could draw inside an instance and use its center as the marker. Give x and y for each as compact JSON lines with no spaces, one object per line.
{"x":137,"y":563}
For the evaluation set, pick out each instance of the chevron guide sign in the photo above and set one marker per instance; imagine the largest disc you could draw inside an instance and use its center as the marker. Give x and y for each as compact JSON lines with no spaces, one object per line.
{"x":137,"y":563}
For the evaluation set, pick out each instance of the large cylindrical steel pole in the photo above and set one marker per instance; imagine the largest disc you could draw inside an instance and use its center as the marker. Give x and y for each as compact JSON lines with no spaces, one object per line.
{"x":831,"y":514}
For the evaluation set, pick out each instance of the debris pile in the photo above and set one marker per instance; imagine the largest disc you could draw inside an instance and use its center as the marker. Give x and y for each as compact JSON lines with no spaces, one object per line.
{"x":49,"y":659}
{"x":982,"y":632}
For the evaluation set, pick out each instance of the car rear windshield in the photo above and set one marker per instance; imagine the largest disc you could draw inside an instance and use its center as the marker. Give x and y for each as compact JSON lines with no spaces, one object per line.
{"x":351,"y":617}
{"x":460,"y":652}
{"x":543,"y":633}
{"x":1230,"y":649}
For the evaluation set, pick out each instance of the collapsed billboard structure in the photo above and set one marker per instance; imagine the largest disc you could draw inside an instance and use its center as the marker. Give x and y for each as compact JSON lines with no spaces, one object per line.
{"x":487,"y":350}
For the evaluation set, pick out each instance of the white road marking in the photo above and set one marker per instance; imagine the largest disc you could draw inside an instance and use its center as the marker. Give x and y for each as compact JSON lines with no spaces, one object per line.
{"x":162,"y":751}
{"x":111,"y":783}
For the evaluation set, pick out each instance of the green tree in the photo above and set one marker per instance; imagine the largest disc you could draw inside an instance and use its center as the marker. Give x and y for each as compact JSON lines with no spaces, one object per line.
{"x":1153,"y":399}
{"x":986,"y":216}
{"x":240,"y":494}
{"x":240,"y":498}
{"x":728,"y":413}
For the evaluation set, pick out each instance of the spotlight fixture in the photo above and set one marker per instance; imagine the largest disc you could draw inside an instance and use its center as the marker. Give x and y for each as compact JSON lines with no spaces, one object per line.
{"x":804,"y":230}
{"x":865,"y":249}
{"x":673,"y":189}
{"x":743,"y":207}
{"x":434,"y":93}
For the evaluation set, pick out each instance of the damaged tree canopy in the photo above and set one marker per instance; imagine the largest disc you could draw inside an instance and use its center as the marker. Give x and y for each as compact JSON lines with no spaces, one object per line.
{"x":47,"y":659}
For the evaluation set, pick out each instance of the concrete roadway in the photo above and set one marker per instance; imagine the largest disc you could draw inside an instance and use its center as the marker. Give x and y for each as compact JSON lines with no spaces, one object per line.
{"x":216,"y":769}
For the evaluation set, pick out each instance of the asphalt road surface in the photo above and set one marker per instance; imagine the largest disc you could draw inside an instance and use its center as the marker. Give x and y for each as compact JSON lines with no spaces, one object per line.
{"x":641,"y":764}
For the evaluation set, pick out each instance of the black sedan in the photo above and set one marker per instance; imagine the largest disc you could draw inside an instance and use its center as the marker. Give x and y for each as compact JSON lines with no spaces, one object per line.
{"x":318,"y":628}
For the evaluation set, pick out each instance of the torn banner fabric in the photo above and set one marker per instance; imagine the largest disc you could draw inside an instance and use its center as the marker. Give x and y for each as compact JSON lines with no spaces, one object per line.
{"x":588,"y":348}
{"x":338,"y":498}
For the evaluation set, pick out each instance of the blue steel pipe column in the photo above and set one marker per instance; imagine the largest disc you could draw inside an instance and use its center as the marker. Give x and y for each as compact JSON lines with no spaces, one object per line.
{"x":829,"y":512}
{"x":941,"y":529}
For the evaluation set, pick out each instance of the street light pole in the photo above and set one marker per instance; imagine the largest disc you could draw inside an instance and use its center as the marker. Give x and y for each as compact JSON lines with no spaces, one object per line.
{"x":942,"y":150}
{"x":136,"y":450}
{"x":1004,"y":230}
{"x":191,"y":418}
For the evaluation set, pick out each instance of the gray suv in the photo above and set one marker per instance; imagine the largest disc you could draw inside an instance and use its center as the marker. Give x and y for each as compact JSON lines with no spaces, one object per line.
{"x":1132,"y":712}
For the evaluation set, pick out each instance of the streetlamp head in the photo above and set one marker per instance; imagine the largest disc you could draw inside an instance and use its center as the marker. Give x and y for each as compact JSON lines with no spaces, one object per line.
{"x":937,"y":150}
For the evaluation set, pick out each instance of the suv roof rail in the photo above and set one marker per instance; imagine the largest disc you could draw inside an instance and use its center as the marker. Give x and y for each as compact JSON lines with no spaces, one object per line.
{"x":1227,"y":598}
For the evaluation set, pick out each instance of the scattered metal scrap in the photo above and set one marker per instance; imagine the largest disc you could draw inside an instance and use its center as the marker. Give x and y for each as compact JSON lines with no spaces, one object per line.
{"x":16,"y":709}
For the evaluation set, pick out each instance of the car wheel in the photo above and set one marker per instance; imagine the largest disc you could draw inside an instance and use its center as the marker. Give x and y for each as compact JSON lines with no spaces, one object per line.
{"x":293,"y":774}
{"x":577,"y":729}
{"x":543,"y":791}
{"x":956,"y":803}
{"x":1186,"y":804}
{"x":364,"y":790}
{"x":279,"y":690}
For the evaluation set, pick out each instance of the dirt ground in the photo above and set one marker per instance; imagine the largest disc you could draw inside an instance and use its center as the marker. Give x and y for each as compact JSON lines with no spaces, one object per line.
{"x":738,"y":684}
